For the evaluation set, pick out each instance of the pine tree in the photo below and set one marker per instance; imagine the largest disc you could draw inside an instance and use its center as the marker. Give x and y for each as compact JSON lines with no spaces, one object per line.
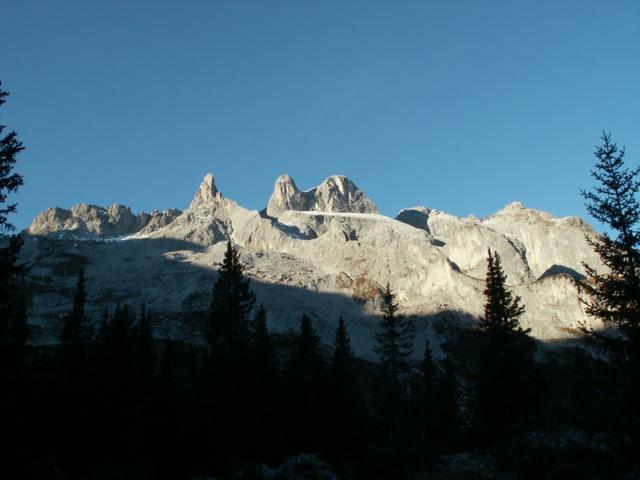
{"x":10,"y":271}
{"x":394,"y":340}
{"x":10,"y":147}
{"x":342,"y":353}
{"x":506,"y":379}
{"x":262,"y":344}
{"x":394,"y":347}
{"x":307,"y":361}
{"x":347,"y":408}
{"x":308,"y":382}
{"x":502,"y":310}
{"x":228,"y":327}
{"x":614,"y":295}
{"x":76,"y":330}
{"x":344,"y":390}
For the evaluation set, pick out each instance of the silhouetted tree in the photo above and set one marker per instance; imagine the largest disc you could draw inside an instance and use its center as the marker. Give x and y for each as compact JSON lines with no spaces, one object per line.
{"x":264,"y":360}
{"x":347,"y":408}
{"x":394,"y":340}
{"x":342,"y":354}
{"x":307,"y":363}
{"x":14,"y":378}
{"x":308,"y":383}
{"x":506,"y":379}
{"x":76,"y":330}
{"x":12,"y":301}
{"x":394,"y":346}
{"x":228,"y":327}
{"x":614,"y":295}
{"x":10,"y":147}
{"x":502,"y":310}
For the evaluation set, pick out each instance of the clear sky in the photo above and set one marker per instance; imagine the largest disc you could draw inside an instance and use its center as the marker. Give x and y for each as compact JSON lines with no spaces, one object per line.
{"x":462,"y":106}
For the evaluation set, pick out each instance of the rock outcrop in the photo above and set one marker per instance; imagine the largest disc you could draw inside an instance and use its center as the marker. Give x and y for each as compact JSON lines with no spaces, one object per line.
{"x":207,"y":194}
{"x":86,"y":220}
{"x":335,"y":194}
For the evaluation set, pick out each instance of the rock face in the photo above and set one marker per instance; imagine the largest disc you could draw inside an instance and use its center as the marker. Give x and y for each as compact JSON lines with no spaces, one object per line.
{"x":529,"y":241}
{"x":207,"y":194}
{"x":335,"y":194}
{"x":324,"y":252}
{"x":85,"y":220}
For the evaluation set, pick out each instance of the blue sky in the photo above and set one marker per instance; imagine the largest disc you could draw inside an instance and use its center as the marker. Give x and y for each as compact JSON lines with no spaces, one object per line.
{"x":462,"y":106}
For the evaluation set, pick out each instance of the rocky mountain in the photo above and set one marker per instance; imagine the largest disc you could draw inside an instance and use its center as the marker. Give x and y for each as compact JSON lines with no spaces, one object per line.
{"x":326,"y":251}
{"x":86,"y":221}
{"x":335,"y":194}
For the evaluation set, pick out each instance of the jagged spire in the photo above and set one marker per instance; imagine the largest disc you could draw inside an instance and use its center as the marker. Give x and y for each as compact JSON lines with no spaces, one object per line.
{"x":207,"y":193}
{"x":336,"y":194}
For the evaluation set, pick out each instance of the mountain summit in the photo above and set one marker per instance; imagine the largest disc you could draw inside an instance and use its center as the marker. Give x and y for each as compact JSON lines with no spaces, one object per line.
{"x":336,"y":194}
{"x":325,"y":251}
{"x":207,"y":194}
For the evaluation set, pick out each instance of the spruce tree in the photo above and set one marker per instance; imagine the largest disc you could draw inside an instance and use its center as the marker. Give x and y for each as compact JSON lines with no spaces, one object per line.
{"x":502,"y":310}
{"x":76,"y":330}
{"x":307,"y":361}
{"x":506,"y":380}
{"x":11,"y":272}
{"x":614,"y":294}
{"x":262,"y":344}
{"x":347,"y":408}
{"x":10,"y":147}
{"x":394,"y":340}
{"x":232,"y":300}
{"x":308,"y":381}
{"x":342,"y":354}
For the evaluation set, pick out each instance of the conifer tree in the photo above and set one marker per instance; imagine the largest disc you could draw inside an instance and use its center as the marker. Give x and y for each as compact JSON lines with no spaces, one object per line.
{"x":506,"y":378}
{"x":262,"y":344}
{"x":232,"y":301}
{"x":76,"y":330}
{"x":394,"y":340}
{"x":10,"y":271}
{"x":307,"y":361}
{"x":308,"y":383}
{"x":342,"y":354}
{"x":614,"y":295}
{"x":502,"y":310}
{"x":347,"y":407}
{"x":10,"y":147}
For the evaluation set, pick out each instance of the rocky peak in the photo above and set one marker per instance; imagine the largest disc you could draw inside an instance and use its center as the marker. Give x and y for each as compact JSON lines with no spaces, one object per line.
{"x":286,"y":196}
{"x":339,"y":194}
{"x":85,"y":220}
{"x":207,"y":194}
{"x":336,"y":194}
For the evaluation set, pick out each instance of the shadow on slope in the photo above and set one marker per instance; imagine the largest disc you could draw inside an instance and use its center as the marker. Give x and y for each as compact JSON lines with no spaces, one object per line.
{"x":162,"y":273}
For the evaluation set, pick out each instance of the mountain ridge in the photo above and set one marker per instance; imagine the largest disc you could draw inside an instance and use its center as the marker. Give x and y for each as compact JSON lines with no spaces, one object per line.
{"x":435,"y":261}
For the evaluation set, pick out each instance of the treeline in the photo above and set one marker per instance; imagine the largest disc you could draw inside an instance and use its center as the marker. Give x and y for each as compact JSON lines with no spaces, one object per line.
{"x":112,"y":402}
